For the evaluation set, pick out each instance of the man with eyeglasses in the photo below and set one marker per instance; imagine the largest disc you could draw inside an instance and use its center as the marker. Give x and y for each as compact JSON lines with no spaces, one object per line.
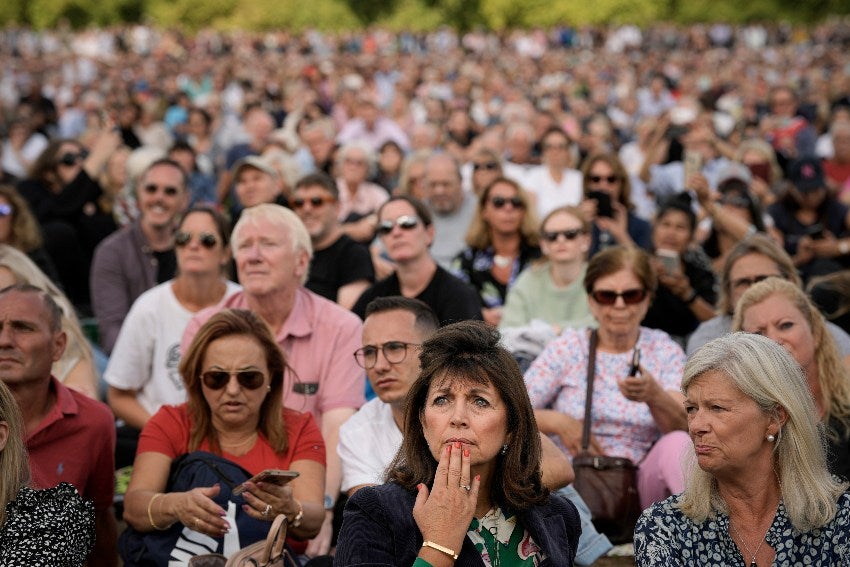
{"x":452,"y":207}
{"x":140,"y":256}
{"x":394,"y":329}
{"x":273,"y":249}
{"x":341,"y":269}
{"x":393,"y":332}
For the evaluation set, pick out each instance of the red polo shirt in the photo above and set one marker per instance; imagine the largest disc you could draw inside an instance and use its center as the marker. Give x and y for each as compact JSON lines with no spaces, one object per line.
{"x":75,"y":443}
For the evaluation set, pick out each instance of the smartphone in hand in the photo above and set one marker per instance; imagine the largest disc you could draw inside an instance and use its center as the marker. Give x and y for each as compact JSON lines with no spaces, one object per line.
{"x":270,"y":476}
{"x":635,"y":364}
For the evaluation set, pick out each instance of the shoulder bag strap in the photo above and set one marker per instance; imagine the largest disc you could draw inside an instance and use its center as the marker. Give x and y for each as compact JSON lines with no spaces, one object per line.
{"x":588,"y":402}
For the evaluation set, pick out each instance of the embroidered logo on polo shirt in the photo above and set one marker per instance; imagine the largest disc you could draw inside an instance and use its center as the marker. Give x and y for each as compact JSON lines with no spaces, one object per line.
{"x":305,"y":388}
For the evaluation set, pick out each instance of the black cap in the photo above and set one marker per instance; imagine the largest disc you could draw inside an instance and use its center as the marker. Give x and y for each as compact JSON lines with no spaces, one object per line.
{"x":807,"y":174}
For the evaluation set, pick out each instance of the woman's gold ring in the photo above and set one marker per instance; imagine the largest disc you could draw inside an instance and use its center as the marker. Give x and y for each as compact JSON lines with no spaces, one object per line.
{"x":267,"y":510}
{"x":466,"y":487}
{"x":197,"y":522}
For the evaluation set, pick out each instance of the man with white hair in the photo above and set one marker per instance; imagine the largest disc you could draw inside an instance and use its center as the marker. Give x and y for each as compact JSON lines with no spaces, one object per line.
{"x":273,"y":251}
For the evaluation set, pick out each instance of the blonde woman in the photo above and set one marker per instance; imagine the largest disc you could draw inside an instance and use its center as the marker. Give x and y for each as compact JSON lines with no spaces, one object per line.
{"x":780,"y":310}
{"x":76,"y":368}
{"x":29,"y":518}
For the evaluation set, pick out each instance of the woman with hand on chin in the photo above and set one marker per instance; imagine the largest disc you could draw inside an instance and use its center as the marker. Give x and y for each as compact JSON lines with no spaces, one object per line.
{"x":466,"y":485}
{"x":760,"y":492}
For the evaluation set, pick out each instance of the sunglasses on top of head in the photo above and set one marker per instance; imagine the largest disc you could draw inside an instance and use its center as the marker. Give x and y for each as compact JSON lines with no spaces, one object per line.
{"x":552,"y":235}
{"x":608,"y":297}
{"x":218,"y":379}
{"x":6,"y":210}
{"x":404,"y":222}
{"x":207,"y":239}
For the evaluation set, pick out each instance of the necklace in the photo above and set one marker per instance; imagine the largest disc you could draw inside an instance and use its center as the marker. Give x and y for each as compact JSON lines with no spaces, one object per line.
{"x":744,"y":543}
{"x":239,"y":444}
{"x":502,"y":261}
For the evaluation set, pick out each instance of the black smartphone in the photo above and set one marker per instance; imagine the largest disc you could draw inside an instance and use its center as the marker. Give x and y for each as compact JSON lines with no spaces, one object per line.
{"x":816,"y":231}
{"x":271,"y":476}
{"x":603,"y":203}
{"x":635,"y":365}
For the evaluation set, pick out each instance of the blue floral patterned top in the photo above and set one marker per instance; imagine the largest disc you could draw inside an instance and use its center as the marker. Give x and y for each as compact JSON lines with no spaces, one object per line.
{"x":664,"y":536}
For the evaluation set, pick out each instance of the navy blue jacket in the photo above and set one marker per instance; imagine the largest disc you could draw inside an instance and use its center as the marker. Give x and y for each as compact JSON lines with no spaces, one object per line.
{"x":378,"y":529}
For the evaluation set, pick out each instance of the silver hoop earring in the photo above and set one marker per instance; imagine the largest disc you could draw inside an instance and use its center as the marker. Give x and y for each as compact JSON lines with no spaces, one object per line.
{"x":771,"y":438}
{"x":504,"y":448}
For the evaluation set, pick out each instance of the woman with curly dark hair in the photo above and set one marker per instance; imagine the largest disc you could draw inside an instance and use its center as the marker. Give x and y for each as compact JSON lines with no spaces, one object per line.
{"x":466,"y":483}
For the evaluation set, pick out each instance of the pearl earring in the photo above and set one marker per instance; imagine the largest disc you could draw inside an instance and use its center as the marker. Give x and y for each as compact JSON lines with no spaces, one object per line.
{"x":504,"y":448}
{"x":771,"y":438}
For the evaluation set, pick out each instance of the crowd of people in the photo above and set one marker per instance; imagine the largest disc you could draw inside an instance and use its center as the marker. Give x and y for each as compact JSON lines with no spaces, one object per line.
{"x":400,"y":258}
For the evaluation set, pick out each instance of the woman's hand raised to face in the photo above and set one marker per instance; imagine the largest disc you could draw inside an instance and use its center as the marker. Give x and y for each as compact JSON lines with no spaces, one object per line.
{"x":444,"y":513}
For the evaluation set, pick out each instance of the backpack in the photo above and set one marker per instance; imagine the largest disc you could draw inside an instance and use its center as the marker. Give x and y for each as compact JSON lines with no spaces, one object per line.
{"x":176,"y":545}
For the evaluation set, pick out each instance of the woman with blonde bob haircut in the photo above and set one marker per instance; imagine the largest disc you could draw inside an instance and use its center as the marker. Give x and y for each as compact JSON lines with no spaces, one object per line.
{"x":781,"y":311}
{"x":761,"y":474}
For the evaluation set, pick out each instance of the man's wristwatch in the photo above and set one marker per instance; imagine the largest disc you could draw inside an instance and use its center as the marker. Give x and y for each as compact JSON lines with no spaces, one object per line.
{"x":843,"y":247}
{"x":329,"y":502}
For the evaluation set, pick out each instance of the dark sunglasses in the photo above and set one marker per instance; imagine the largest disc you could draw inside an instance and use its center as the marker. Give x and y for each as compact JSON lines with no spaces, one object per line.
{"x":488,"y":165}
{"x":404,"y":222}
{"x":735,"y":201}
{"x":500,"y":202}
{"x":607,"y":297}
{"x":70,"y":158}
{"x":169,"y":190}
{"x":606,"y":178}
{"x":207,"y":239}
{"x":556,"y":146}
{"x":747,"y":282}
{"x":315,"y":202}
{"x":218,"y":379}
{"x":6,"y":210}
{"x":552,"y":236}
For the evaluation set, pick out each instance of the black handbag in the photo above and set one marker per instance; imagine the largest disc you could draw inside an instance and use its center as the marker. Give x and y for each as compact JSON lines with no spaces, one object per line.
{"x":608,"y":485}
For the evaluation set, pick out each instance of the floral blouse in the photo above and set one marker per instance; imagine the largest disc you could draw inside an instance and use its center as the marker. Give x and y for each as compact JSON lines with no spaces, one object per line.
{"x":557,"y":379}
{"x":52,"y":527}
{"x":499,"y":535}
{"x":473,"y":267}
{"x":665,"y":537}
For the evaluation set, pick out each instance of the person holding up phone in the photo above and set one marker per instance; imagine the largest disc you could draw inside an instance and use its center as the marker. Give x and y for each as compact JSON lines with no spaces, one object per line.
{"x":686,"y":282}
{"x":608,"y":205}
{"x":637,"y":414}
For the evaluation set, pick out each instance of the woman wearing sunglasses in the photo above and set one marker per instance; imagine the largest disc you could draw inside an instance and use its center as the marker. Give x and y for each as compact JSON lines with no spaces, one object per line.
{"x":501,"y":241}
{"x":608,"y":205}
{"x":142,"y":373}
{"x":637,"y":414}
{"x":406,"y":231}
{"x":64,"y":195}
{"x":233,"y":374}
{"x":552,"y":289}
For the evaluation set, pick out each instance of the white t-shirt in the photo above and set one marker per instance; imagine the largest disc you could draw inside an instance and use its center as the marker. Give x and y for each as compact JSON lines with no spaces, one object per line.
{"x":551,"y":195}
{"x":147,"y":351}
{"x":368,"y":442}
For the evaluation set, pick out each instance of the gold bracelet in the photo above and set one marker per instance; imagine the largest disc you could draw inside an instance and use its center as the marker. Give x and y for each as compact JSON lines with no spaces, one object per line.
{"x":440,"y":548}
{"x":150,"y":516}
